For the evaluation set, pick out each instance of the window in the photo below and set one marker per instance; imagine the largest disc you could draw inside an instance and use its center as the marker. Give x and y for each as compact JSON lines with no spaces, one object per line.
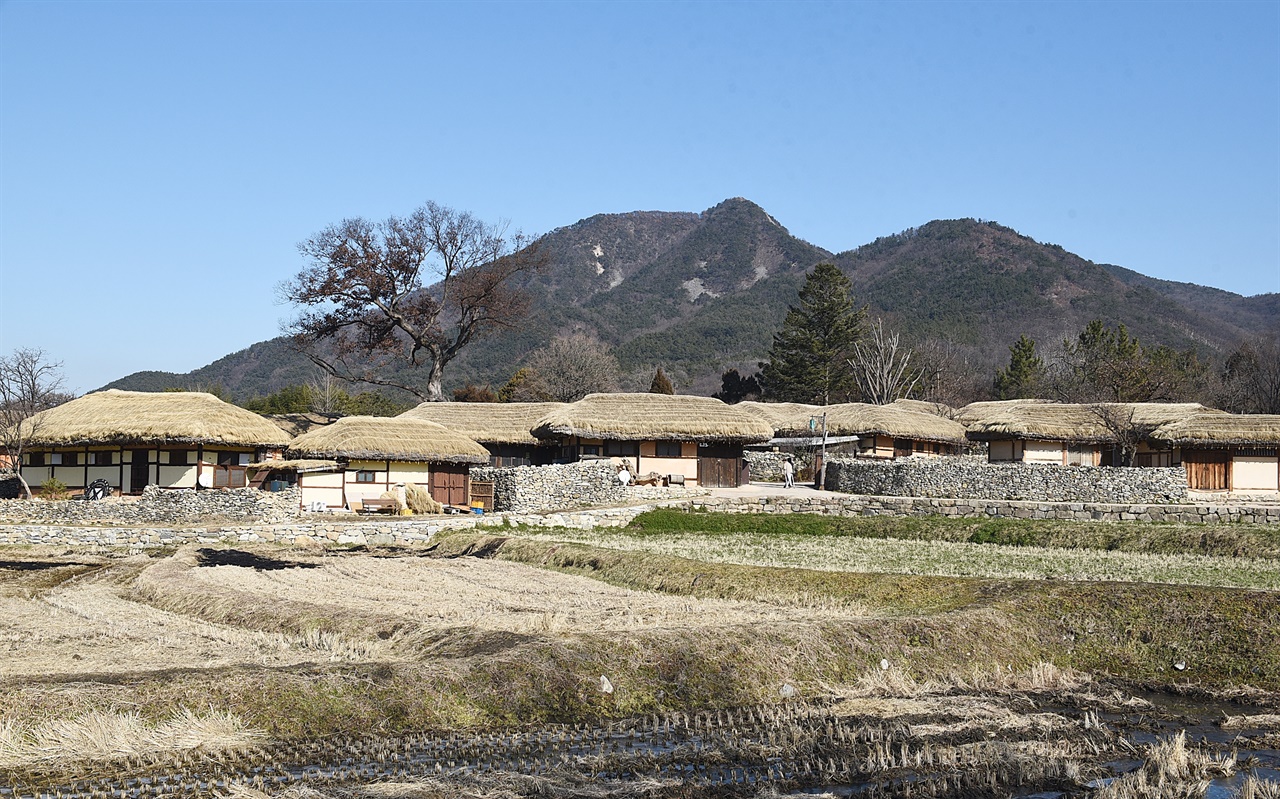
{"x":102,"y":459}
{"x":667,"y":449}
{"x":621,"y":449}
{"x":590,"y":449}
{"x":35,"y":459}
{"x":366,"y":477}
{"x":70,"y":458}
{"x":177,"y":457}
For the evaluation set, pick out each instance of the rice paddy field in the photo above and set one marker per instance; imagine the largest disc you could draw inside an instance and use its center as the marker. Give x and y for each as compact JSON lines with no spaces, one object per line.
{"x":687,"y":655}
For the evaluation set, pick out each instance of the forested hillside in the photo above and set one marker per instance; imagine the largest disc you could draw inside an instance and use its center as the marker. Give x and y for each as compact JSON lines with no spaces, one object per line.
{"x":699,"y":293}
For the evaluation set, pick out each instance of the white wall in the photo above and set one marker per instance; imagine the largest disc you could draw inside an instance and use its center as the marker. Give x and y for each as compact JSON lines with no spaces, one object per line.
{"x":1254,"y":473}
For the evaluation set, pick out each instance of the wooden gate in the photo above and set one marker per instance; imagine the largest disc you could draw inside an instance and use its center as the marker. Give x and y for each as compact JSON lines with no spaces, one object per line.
{"x":718,"y":472}
{"x":449,"y":483}
{"x":1207,"y":470}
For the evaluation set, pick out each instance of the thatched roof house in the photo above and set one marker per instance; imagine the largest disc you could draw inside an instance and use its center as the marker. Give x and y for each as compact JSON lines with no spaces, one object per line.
{"x":164,"y":418}
{"x":382,"y":438}
{"x":923,"y":406}
{"x":682,"y":438}
{"x":132,"y":439}
{"x":1222,"y":430}
{"x":377,"y":453}
{"x":496,"y":422}
{"x":891,"y":431}
{"x":1079,"y":423}
{"x":652,"y":417}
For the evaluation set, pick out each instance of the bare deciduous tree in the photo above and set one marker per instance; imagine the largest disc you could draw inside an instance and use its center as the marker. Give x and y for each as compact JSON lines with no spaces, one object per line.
{"x":411,"y":292}
{"x":1251,"y":378}
{"x":570,"y":368}
{"x":1127,"y":433}
{"x":882,"y":367}
{"x":29,"y":383}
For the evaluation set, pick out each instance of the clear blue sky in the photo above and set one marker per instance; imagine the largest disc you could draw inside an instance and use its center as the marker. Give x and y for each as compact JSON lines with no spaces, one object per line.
{"x":160,"y":161}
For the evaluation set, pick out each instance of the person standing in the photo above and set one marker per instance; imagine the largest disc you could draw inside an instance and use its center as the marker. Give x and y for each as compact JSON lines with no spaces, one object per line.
{"x":788,"y":474}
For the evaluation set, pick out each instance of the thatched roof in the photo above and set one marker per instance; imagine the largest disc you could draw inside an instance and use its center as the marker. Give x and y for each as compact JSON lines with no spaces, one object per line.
{"x":387,"y":438}
{"x":921,"y":406}
{"x":781,"y":415}
{"x":1222,"y":430}
{"x":980,"y":411}
{"x":301,"y":466}
{"x":860,"y":419}
{"x":163,"y":418}
{"x":652,"y":417}
{"x":1078,"y":423}
{"x":487,"y":422}
{"x":295,"y":424}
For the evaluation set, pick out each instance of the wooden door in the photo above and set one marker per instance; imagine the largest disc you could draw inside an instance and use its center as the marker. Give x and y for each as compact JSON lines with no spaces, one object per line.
{"x":1207,"y":470}
{"x":139,"y":471}
{"x":718,"y":472}
{"x":901,"y":448}
{"x":448,"y":484}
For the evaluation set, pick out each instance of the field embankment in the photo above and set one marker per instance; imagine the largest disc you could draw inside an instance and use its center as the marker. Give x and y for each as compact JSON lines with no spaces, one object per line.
{"x":107,"y":657}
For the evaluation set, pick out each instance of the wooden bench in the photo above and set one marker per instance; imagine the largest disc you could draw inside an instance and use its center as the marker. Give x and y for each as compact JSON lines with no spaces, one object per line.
{"x":379,"y":506}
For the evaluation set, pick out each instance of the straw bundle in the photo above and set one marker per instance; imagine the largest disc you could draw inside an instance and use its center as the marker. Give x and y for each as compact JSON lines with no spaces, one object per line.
{"x":1076,"y":423}
{"x":486,"y":422}
{"x":140,"y":417}
{"x":384,"y":438}
{"x":1222,"y":430}
{"x":652,"y":417}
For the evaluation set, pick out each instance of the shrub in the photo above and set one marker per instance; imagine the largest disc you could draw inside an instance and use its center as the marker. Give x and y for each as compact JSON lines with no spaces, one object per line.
{"x":54,"y":490}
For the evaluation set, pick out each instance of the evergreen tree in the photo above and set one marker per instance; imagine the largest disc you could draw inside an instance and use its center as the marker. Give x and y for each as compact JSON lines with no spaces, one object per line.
{"x":1025,"y":374}
{"x":809,"y":359}
{"x":735,"y":388}
{"x":661,"y":383}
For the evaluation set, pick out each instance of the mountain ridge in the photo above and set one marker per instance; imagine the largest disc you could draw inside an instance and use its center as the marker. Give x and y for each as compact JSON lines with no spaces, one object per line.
{"x":697,"y":293}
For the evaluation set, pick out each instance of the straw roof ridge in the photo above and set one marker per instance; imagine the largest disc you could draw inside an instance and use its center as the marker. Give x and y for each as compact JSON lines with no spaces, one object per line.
{"x":1222,"y":429}
{"x":487,"y":422}
{"x":781,"y":415}
{"x":1079,"y":423}
{"x":387,"y":438}
{"x":861,"y":419}
{"x":979,"y":411}
{"x":144,"y":417}
{"x":652,"y":417}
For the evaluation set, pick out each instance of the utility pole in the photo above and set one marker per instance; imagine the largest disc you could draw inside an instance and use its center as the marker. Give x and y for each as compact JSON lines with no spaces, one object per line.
{"x":822,"y":473}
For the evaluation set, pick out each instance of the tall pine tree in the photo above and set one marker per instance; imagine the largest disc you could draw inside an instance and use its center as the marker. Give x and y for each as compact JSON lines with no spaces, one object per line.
{"x":661,"y":383}
{"x":809,"y":359}
{"x":1025,"y":376}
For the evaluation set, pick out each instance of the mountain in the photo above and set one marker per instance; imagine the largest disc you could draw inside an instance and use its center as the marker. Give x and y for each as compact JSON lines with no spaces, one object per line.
{"x":699,"y":293}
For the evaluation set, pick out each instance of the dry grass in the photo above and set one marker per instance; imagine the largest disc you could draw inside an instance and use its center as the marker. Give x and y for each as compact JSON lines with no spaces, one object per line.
{"x":936,"y":558}
{"x":1264,"y":721}
{"x":1170,"y":770}
{"x":97,"y":736}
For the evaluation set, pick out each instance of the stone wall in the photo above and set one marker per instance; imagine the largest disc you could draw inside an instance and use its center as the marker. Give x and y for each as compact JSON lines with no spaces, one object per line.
{"x":563,"y":486}
{"x":161,"y":506}
{"x":530,"y":489}
{"x":858,"y":505}
{"x":969,"y":477}
{"x":766,"y":467}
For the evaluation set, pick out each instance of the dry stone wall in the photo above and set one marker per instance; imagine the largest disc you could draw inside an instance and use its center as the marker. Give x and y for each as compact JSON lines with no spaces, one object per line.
{"x":564,"y":486}
{"x":160,"y":506}
{"x":968,"y":477}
